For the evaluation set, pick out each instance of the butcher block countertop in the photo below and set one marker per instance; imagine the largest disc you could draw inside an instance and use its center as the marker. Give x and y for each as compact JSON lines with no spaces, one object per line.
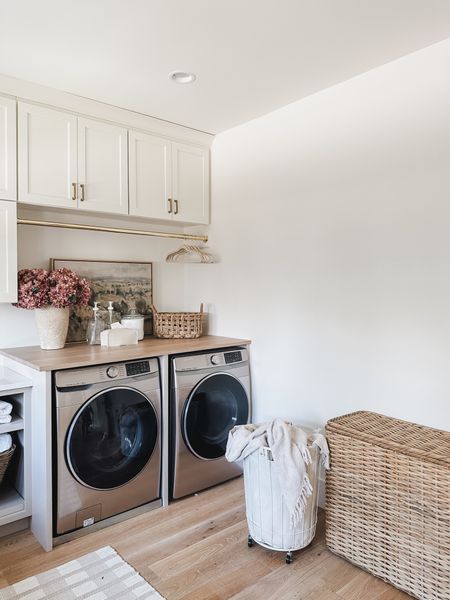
{"x":83,"y":355}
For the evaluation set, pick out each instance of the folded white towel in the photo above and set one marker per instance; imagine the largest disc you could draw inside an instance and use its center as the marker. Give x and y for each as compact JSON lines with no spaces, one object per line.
{"x":5,"y":408}
{"x":5,"y":442}
{"x":5,"y":419}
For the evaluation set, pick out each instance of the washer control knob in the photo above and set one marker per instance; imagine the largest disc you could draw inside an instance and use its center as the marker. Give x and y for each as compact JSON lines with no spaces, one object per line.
{"x":215,"y":359}
{"x":112,"y":372}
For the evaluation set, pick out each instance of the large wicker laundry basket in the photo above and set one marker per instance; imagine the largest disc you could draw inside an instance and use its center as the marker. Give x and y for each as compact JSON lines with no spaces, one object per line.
{"x":388,"y":501}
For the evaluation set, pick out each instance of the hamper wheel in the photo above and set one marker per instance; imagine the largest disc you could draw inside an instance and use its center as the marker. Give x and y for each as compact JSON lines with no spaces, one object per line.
{"x":249,"y":541}
{"x":289,"y":557}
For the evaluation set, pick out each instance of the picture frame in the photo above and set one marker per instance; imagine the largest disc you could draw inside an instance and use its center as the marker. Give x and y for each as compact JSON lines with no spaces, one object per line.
{"x":128,"y":284}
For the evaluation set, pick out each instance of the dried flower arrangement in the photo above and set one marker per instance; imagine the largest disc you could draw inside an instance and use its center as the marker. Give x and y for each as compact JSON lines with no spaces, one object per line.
{"x":60,"y":288}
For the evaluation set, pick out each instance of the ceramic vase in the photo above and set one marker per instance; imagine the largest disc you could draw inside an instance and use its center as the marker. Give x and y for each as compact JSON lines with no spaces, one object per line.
{"x":52,"y":324}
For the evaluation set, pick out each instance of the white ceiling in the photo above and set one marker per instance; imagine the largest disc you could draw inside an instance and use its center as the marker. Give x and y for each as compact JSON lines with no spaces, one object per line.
{"x":250,"y":56}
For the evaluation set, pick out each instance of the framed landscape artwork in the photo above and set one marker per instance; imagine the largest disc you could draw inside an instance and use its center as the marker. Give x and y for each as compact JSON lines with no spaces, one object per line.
{"x":127,"y":284}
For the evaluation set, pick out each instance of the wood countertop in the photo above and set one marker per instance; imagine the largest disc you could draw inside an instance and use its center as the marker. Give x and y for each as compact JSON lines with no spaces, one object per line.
{"x":83,"y":355}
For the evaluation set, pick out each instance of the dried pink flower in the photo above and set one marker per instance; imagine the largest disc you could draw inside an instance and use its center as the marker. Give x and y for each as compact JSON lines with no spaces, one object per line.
{"x":60,"y":288}
{"x":33,"y":288}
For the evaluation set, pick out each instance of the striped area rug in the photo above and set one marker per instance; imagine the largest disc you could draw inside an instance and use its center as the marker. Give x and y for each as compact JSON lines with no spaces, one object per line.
{"x":100,"y":575}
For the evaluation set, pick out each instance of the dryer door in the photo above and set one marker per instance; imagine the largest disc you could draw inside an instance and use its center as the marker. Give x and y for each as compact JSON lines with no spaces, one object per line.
{"x":111,"y":438}
{"x":215,"y":405}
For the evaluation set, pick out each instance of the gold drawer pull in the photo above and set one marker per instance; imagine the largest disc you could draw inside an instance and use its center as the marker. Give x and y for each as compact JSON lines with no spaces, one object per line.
{"x":169,"y":210}
{"x":176,"y":207}
{"x":82,"y":192}
{"x":74,"y":191}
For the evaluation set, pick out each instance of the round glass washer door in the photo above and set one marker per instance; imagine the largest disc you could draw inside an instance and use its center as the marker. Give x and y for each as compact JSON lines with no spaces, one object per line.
{"x":111,"y":438}
{"x":215,"y":405}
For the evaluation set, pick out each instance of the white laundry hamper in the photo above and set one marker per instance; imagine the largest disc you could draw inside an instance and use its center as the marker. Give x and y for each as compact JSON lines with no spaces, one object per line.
{"x":269,"y":521}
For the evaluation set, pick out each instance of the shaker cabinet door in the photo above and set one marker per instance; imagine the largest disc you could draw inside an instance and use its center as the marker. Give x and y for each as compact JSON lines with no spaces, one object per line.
{"x":150,"y":169}
{"x":47,"y":156}
{"x":8,"y":251}
{"x":8,"y":189}
{"x":102,"y":167}
{"x":190,"y":183}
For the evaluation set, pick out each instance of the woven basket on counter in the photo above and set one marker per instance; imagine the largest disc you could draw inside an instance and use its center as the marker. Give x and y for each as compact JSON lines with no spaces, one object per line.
{"x":5,"y":457}
{"x":388,"y":501}
{"x":177,"y":325}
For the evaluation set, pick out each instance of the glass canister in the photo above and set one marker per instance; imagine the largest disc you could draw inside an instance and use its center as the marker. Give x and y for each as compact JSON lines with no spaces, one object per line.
{"x":134,"y":320}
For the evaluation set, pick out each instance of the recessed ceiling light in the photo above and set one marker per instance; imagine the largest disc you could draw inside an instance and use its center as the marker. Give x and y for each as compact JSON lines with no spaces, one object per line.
{"x":182,"y":77}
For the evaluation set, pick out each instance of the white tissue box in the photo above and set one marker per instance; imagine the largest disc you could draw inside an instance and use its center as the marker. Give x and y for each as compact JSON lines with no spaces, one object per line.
{"x":119,"y":337}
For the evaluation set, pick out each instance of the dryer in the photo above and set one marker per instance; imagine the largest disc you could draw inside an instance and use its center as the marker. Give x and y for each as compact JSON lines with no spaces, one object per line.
{"x":107,"y":450}
{"x":210,"y":394}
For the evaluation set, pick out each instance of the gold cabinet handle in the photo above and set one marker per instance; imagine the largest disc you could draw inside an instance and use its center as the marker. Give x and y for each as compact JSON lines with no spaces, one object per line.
{"x":175,"y":212}
{"x":169,"y":209}
{"x":74,"y":191}
{"x":82,"y":192}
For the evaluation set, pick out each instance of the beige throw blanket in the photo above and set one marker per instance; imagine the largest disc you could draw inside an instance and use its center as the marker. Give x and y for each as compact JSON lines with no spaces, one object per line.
{"x":289,"y":446}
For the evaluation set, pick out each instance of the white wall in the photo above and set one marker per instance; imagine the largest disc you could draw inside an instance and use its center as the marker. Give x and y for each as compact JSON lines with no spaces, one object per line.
{"x":332,"y":219}
{"x":37,"y":245}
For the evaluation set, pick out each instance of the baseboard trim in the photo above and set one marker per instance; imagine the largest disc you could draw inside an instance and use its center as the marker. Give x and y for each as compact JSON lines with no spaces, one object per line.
{"x":14,"y":527}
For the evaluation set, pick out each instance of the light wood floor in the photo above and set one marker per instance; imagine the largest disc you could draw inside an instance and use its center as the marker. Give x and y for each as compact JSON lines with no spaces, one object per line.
{"x":196,"y":549}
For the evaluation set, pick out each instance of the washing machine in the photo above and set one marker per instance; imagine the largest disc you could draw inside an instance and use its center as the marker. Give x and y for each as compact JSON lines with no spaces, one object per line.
{"x":107,"y":451}
{"x":210,"y":394}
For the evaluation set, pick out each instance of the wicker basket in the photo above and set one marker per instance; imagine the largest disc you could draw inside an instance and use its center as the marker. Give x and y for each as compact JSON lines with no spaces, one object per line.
{"x":388,"y":502}
{"x":177,"y":325}
{"x":5,"y":457}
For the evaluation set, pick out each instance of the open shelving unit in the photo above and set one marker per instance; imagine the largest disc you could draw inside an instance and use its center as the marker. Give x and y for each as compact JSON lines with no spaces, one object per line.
{"x":15,"y":489}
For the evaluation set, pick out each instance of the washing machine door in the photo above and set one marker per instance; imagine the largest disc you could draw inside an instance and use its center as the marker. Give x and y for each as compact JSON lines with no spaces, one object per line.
{"x":215,"y":405}
{"x":111,"y":438}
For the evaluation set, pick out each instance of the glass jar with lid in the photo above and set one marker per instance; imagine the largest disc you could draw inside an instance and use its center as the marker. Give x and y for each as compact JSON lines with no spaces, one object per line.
{"x":134,"y":320}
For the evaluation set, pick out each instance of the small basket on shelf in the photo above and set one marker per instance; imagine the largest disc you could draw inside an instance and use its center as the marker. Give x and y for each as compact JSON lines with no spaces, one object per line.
{"x":177,"y":325}
{"x":5,"y":457}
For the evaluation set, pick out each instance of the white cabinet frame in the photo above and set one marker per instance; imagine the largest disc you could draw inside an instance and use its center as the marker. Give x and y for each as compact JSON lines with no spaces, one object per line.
{"x":8,"y":251}
{"x":8,"y":159}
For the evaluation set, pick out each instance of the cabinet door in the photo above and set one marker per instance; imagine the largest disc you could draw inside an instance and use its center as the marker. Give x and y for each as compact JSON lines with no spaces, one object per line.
{"x":8,"y":163}
{"x":47,"y":166}
{"x":190,"y":183}
{"x":8,"y":251}
{"x":102,"y":167}
{"x":150,"y":176}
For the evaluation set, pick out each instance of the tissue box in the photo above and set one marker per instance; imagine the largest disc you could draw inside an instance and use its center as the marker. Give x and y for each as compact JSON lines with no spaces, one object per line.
{"x":119,"y":337}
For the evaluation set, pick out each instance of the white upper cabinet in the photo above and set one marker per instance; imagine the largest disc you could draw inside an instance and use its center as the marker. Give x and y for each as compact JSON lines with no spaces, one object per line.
{"x":150,"y":175}
{"x":69,"y":161}
{"x":8,"y":251}
{"x":102,"y":167}
{"x":8,"y":149}
{"x":168,"y":180}
{"x":47,"y":157}
{"x":190,"y":183}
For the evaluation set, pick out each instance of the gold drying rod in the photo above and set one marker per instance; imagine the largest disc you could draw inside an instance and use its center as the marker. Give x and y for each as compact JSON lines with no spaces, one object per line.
{"x":177,"y":236}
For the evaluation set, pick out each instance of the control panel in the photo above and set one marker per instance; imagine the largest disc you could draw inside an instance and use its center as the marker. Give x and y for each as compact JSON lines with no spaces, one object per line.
{"x":137,"y":368}
{"x":233,"y":357}
{"x":206,"y":360}
{"x":111,"y":373}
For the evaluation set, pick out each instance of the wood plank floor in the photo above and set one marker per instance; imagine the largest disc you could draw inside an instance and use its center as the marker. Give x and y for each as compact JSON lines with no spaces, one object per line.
{"x":196,"y":549}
